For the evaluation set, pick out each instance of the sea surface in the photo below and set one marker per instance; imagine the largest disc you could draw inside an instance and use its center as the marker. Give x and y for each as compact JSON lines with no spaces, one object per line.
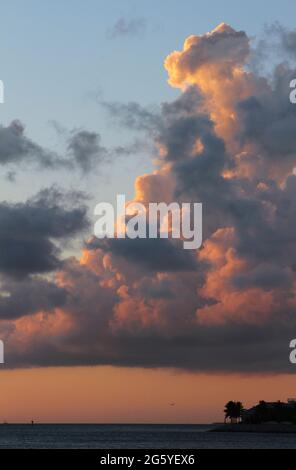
{"x":135,"y":436}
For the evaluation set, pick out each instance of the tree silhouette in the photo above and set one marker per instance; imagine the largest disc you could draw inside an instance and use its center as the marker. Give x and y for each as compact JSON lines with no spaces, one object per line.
{"x":271,"y":412}
{"x":262,"y":412}
{"x":233,"y":410}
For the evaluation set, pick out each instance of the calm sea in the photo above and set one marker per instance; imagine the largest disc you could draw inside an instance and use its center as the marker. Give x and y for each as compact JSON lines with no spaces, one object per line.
{"x":130,"y":436}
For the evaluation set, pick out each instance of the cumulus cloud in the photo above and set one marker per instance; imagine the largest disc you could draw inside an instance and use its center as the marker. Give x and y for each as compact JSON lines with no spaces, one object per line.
{"x":223,"y":48}
{"x":227,"y":141}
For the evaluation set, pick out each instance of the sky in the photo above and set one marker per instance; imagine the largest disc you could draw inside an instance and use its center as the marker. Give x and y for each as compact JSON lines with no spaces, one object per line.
{"x":159,"y":101}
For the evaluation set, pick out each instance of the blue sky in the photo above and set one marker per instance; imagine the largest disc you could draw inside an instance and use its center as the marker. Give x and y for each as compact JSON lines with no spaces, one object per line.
{"x":56,"y":58}
{"x":56,"y":55}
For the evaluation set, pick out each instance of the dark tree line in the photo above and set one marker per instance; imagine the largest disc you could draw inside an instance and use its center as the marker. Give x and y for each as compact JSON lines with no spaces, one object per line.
{"x":276,"y":412}
{"x":264,"y":412}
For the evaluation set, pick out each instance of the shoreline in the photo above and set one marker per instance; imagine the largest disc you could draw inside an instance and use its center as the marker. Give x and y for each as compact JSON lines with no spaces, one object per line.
{"x":256,"y":428}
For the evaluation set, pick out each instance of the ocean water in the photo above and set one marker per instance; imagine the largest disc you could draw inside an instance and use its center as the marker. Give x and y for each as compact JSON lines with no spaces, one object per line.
{"x":128,"y":436}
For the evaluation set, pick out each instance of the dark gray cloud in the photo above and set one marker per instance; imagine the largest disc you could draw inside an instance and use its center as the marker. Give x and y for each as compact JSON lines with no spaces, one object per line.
{"x":268,"y":119}
{"x":266,"y":276}
{"x":86,"y":150}
{"x":87,"y":154}
{"x":151,"y":289}
{"x":133,"y":116}
{"x":225,"y":348}
{"x":32,"y":295}
{"x":281,"y":39}
{"x":151,"y":254}
{"x":127,"y":27}
{"x":276,"y":44}
{"x":16,"y":148}
{"x":29,"y":230}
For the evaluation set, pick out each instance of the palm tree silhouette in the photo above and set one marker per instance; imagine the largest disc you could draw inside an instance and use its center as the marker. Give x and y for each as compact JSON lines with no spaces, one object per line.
{"x":234,"y":411}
